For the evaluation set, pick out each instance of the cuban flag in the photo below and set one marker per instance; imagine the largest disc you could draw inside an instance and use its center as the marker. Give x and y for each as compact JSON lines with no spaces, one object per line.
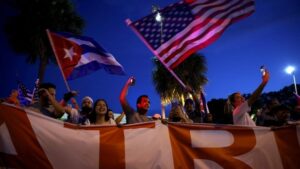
{"x":79,"y":56}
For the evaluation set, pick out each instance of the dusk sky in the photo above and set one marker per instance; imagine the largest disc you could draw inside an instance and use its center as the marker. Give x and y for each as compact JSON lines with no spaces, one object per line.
{"x":270,"y":37}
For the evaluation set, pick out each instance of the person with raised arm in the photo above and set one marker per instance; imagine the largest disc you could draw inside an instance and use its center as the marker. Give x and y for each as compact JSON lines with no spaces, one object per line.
{"x":142,"y":105}
{"x":240,"y":107}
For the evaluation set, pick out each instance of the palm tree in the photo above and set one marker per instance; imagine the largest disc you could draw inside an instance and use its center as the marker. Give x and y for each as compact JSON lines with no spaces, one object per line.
{"x":26,"y":30}
{"x":191,"y":72}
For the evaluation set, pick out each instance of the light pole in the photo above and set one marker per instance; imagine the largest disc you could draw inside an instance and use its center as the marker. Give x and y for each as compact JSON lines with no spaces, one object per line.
{"x":158,"y":18}
{"x":291,"y":71}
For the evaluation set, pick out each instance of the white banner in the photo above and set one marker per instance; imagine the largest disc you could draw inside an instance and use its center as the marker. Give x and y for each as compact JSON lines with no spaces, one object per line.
{"x":31,"y":140}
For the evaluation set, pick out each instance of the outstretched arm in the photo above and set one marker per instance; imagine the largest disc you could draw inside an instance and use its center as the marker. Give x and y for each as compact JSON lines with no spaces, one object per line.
{"x":124,"y":103}
{"x":258,"y":91}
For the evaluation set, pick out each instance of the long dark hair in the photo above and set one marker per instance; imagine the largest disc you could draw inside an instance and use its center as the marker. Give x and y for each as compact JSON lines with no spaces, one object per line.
{"x":93,"y":115}
{"x":228,"y":109}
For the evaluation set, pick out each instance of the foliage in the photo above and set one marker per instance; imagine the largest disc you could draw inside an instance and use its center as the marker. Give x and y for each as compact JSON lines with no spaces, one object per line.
{"x":191,"y":72}
{"x":26,"y":28}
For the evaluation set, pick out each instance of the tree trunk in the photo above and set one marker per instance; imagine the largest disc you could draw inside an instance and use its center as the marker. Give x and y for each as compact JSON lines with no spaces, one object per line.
{"x":42,"y":69}
{"x":43,"y":60}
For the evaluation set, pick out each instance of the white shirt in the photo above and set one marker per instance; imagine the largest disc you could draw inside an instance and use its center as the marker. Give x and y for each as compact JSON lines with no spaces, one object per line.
{"x":241,"y":116}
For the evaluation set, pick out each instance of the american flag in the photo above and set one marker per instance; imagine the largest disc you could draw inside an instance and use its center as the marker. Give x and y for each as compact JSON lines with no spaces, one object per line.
{"x":35,"y":92}
{"x":189,"y":26}
{"x":203,"y":104}
{"x":25,"y":95}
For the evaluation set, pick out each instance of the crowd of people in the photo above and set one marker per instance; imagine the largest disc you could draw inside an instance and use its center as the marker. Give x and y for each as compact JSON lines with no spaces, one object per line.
{"x":89,"y":112}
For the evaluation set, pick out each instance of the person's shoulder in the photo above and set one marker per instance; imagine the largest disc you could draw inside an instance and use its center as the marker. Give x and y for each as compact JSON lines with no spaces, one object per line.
{"x":245,"y":104}
{"x":136,"y":114}
{"x":129,"y":110}
{"x":242,"y":108}
{"x":34,"y":107}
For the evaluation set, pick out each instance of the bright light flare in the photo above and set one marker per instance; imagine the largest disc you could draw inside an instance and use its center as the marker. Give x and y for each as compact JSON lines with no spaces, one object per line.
{"x":290,"y":70}
{"x":158,"y":17}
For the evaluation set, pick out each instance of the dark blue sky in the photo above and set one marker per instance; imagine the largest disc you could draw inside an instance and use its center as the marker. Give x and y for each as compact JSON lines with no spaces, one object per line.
{"x":270,"y":37}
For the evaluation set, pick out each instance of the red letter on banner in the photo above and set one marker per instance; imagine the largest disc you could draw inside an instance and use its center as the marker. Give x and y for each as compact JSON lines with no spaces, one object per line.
{"x":184,"y":154}
{"x":288,"y":146}
{"x":29,"y":152}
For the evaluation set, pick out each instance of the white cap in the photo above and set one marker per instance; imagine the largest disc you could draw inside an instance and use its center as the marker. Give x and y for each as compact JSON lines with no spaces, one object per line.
{"x":88,"y":98}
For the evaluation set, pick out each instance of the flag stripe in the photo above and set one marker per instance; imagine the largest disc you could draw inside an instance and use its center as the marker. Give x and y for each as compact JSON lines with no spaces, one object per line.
{"x":25,"y":96}
{"x":194,"y":49}
{"x":185,"y":54}
{"x":189,"y":26}
{"x":94,"y":66}
{"x":88,"y":49}
{"x":203,"y":28}
{"x":210,"y":32}
{"x":196,"y":3}
{"x":106,"y":60}
{"x":79,"y":56}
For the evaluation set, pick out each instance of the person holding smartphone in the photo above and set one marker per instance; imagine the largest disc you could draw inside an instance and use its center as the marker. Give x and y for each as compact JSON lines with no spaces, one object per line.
{"x":240,"y":107}
{"x":142,"y":105}
{"x":47,"y":104}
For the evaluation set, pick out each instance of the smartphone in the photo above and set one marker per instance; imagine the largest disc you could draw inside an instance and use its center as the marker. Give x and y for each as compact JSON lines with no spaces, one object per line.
{"x":132,"y":81}
{"x":263,"y":70}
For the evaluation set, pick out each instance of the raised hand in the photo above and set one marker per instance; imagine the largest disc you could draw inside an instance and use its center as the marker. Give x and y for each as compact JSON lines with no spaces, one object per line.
{"x":265,"y":77}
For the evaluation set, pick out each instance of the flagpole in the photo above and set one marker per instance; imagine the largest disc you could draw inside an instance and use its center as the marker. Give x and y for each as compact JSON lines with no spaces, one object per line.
{"x":163,"y":109}
{"x":36,"y":83}
{"x":128,"y":22}
{"x":56,"y":56}
{"x":204,"y":102}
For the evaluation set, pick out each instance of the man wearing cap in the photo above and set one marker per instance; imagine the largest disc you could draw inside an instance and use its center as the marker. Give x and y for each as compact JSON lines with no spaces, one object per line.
{"x":86,"y":109}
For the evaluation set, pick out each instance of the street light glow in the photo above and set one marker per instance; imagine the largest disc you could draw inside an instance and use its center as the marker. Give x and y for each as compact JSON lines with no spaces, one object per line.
{"x":158,"y":17}
{"x":155,"y":10}
{"x":290,"y":70}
